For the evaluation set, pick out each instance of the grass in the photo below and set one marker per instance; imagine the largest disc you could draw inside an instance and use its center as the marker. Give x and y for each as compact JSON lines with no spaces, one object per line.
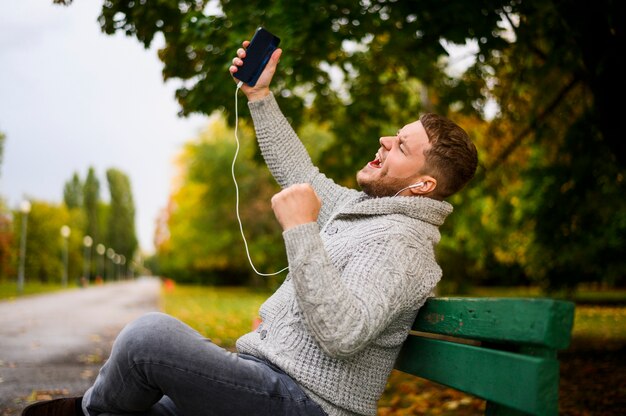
{"x":8,"y":290}
{"x":582,"y":296}
{"x":600,"y":324}
{"x":220,"y":314}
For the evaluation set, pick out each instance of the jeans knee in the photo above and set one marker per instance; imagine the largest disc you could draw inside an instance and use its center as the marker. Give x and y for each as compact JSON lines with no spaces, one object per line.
{"x":152,"y":321}
{"x":148,"y":334}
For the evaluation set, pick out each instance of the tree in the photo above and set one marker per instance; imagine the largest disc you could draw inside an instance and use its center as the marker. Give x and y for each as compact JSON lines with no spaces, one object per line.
{"x":73,"y":192}
{"x":204,"y":243}
{"x":378,"y":48}
{"x":44,"y":261}
{"x":198,"y":237}
{"x":2,"y":140}
{"x":558,"y":154}
{"x":7,"y":258}
{"x":582,"y":233}
{"x":549,"y":66}
{"x":6,"y":234}
{"x":121,"y":218}
{"x":91,"y":199}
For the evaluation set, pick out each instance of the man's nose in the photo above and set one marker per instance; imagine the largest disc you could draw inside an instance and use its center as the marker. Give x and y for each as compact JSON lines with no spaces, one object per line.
{"x":387,"y":141}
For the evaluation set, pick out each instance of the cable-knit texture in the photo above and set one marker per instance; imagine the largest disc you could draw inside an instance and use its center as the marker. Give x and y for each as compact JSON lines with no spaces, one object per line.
{"x":356,"y":279}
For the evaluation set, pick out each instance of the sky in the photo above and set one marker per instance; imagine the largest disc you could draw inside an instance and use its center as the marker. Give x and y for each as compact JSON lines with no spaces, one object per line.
{"x":72,"y":97}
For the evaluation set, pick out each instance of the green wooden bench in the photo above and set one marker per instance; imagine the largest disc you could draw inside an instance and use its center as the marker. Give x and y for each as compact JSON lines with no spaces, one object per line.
{"x":503,"y":350}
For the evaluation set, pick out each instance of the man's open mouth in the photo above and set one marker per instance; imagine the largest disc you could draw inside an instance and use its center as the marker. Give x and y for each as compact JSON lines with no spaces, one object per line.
{"x":377,"y":163}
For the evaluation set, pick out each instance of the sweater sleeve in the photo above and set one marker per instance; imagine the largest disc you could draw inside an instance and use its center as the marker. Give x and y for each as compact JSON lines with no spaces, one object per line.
{"x":346,"y":311}
{"x":286,"y":156}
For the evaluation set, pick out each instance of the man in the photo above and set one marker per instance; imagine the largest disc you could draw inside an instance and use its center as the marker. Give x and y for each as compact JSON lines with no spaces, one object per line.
{"x":361,"y":265}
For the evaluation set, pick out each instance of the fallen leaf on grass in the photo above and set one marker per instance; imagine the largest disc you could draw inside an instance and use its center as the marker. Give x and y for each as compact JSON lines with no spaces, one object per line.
{"x":86,"y":374}
{"x":39,"y":395}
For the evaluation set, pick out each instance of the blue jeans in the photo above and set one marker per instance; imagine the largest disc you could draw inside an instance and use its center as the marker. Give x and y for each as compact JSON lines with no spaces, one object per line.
{"x":159,"y":366}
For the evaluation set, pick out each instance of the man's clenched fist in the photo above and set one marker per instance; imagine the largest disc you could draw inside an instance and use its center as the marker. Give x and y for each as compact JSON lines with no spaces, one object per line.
{"x":296,"y":205}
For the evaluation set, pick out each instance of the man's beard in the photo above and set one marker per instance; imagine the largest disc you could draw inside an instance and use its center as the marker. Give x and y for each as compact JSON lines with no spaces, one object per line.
{"x":383,"y":186}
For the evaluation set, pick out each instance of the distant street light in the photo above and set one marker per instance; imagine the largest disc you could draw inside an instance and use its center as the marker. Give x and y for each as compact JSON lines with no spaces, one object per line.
{"x":25,"y":208}
{"x":87,"y":242}
{"x":65,"y":233}
{"x":101,"y":249}
{"x":117,"y":261}
{"x":123,"y":266}
{"x":111,"y":255}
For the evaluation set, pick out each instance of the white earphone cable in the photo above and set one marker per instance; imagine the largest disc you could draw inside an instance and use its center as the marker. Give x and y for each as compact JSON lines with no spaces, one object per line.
{"x":410,"y":186}
{"x":232,"y":171}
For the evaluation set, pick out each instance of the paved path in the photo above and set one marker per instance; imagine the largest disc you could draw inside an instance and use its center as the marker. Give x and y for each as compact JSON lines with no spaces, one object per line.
{"x":53,"y":345}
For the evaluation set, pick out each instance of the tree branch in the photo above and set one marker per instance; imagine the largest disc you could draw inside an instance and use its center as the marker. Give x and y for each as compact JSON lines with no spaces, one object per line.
{"x":536,"y":122}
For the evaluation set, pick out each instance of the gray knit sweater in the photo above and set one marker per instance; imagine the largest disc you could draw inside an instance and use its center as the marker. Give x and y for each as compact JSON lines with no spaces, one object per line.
{"x":356,"y":279}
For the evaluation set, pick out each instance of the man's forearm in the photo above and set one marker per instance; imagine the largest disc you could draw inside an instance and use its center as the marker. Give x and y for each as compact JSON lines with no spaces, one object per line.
{"x":288,"y":159}
{"x":284,"y":154}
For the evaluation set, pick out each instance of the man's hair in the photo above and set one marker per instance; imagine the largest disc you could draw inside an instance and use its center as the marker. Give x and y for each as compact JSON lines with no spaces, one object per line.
{"x":452,"y":157}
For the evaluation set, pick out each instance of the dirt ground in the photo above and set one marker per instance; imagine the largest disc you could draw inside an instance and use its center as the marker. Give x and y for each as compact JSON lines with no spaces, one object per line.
{"x":593,"y":379}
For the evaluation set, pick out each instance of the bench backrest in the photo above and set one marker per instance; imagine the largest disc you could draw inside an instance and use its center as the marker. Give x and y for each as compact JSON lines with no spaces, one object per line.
{"x":503,"y":350}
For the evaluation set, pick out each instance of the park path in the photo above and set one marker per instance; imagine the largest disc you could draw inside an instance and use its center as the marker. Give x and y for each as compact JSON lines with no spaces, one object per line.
{"x":52,"y":345}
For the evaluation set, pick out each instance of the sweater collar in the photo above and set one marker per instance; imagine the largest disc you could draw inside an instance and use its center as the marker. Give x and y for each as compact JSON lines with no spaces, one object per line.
{"x":421,"y":208}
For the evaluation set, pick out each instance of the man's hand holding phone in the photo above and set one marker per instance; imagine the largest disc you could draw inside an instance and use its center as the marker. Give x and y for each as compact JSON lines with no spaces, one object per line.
{"x":261,"y":87}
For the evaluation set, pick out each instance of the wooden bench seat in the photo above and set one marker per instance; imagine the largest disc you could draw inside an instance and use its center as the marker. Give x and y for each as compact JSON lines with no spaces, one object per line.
{"x":503,"y":350}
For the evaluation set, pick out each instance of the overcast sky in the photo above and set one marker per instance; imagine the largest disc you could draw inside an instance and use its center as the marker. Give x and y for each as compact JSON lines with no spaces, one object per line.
{"x":72,"y":97}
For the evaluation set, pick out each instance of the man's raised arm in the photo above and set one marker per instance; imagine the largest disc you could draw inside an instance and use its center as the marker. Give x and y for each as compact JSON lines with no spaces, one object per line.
{"x":284,"y":153}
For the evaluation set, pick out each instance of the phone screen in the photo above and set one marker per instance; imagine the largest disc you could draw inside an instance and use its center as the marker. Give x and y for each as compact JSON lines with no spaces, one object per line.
{"x":261,"y":47}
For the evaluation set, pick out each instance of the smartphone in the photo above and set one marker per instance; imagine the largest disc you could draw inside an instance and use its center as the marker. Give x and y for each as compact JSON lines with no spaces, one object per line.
{"x":258,"y":52}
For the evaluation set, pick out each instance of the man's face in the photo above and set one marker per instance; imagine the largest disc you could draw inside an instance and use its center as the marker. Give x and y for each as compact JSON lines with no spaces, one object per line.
{"x":398,"y":163}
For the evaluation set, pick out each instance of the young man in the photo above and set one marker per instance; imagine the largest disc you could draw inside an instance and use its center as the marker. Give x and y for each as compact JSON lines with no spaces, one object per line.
{"x":361,"y":264}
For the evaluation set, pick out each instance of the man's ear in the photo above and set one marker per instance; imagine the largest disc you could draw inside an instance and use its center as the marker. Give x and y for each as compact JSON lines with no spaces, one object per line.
{"x":428,"y":185}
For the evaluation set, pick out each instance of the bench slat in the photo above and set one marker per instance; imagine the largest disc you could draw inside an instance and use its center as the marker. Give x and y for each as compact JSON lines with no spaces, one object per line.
{"x":531,"y":321}
{"x":522,"y":382}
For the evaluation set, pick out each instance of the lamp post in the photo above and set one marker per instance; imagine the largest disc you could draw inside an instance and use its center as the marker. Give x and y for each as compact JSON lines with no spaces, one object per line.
{"x":25,"y":208}
{"x":111,"y":255}
{"x":100,"y":249}
{"x":123,"y":266}
{"x":65,"y":233}
{"x":87,"y":242}
{"x":117,"y":261}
